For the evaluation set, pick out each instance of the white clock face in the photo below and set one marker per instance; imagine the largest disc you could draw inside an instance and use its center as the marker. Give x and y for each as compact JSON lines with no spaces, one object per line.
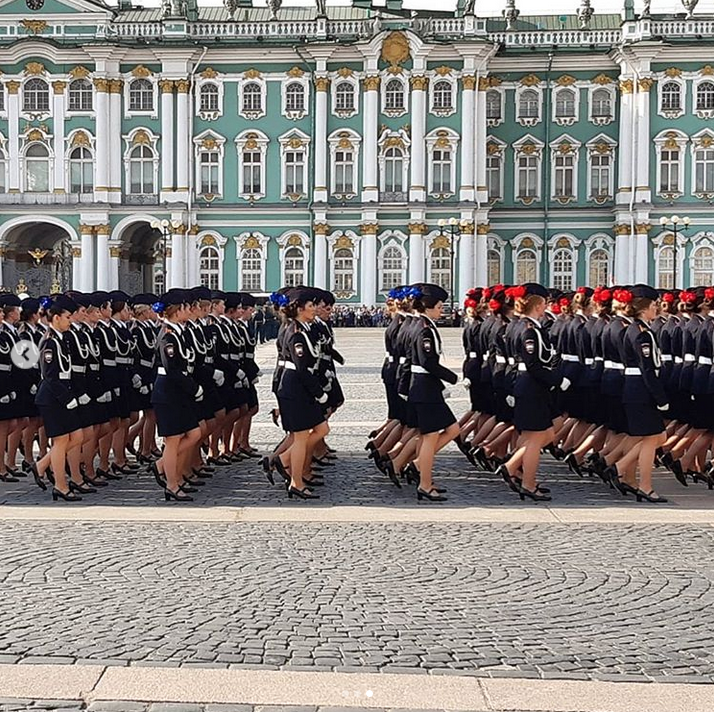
{"x":35,"y":4}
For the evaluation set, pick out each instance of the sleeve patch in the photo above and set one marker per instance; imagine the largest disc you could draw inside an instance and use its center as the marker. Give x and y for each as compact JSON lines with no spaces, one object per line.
{"x":299,"y":351}
{"x":170,"y":350}
{"x":48,"y":355}
{"x":529,"y":345}
{"x":646,"y":350}
{"x":427,"y":345}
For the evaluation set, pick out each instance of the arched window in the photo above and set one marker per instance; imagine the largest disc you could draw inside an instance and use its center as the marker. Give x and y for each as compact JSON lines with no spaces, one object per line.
{"x":251,"y":270}
{"x":704,"y":170}
{"x":37,"y":168}
{"x":36,"y":96}
{"x":252,"y":97}
{"x":393,"y":170}
{"x":209,"y":269}
{"x":599,"y":268}
{"x":562,"y":277}
{"x":394,"y":95}
{"x":493,"y":267}
{"x":526,"y":267}
{"x":141,"y":95}
{"x":443,"y":95}
{"x":159,"y":281}
{"x":295,"y":97}
{"x":80,"y":95}
{"x":344,"y":270}
{"x":81,"y":171}
{"x":528,"y":105}
{"x":703,"y":267}
{"x":565,"y":104}
{"x":602,"y":103}
{"x":705,"y":96}
{"x":665,"y":268}
{"x":345,"y":97}
{"x":209,"y":97}
{"x":141,"y":171}
{"x":294,"y":267}
{"x":392,"y":268}
{"x":671,"y":97}
{"x":441,"y":268}
{"x":493,"y":104}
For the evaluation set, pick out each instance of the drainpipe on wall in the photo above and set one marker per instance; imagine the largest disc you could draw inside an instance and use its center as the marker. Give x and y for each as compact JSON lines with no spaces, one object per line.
{"x":546,"y":172}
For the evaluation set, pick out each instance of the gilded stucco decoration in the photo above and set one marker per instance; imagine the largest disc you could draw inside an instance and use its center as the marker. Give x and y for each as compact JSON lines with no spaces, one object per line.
{"x":251,"y":74}
{"x":140,"y":72}
{"x":527,"y":242}
{"x":79,"y":72}
{"x":34,"y":68}
{"x":345,"y":72}
{"x":395,"y":48}
{"x":80,"y":139}
{"x":673,"y":72}
{"x":565,"y":81}
{"x":294,"y":241}
{"x":483,"y":229}
{"x":443,"y":71}
{"x":530,"y":80}
{"x":141,"y":138}
{"x":296,"y":72}
{"x":626,"y":86}
{"x":321,"y":228}
{"x":343,"y":242}
{"x":209,"y":73}
{"x":251,"y":243}
{"x":419,"y":83}
{"x":209,"y":143}
{"x":602,"y":80}
{"x":707,"y":70}
{"x":440,"y":241}
{"x":35,"y":27}
{"x":208,"y":241}
{"x":417,"y":228}
{"x":370,"y":228}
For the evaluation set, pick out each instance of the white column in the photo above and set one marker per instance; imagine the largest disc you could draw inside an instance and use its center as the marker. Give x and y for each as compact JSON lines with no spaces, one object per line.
{"x":116,"y":163}
{"x":13,"y":148}
{"x":322,"y":85}
{"x":103,"y":266}
{"x":466,"y":264}
{"x":643,"y":193}
{"x":641,"y":241}
{"x":370,"y":185}
{"x":368,"y":264}
{"x":103,"y":141}
{"x":3,"y":246}
{"x":468,"y":143}
{"x":175,"y":262}
{"x":481,"y":257}
{"x":320,"y":264}
{"x":59,"y":137}
{"x":622,"y":258}
{"x":77,"y":272}
{"x":167,"y":138}
{"x":192,"y":261}
{"x":86,"y":265}
{"x":625,"y":178}
{"x":183,"y":141}
{"x":417,"y":191}
{"x":416,"y":252}
{"x":114,"y":257}
{"x":480,"y":144}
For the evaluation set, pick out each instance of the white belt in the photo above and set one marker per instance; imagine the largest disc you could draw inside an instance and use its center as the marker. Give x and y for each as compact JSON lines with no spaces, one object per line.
{"x":208,"y":359}
{"x":473,"y":354}
{"x":145,"y":362}
{"x":511,"y":361}
{"x":614,"y":365}
{"x":161,"y":371}
{"x":705,"y":361}
{"x":678,"y":359}
{"x":570,"y":357}
{"x":390,"y":358}
{"x":418,"y":369}
{"x":94,"y":366}
{"x":109,"y":362}
{"x":325,"y":358}
{"x":281,"y":363}
{"x":65,"y":375}
{"x":598,"y":359}
{"x":633,"y":372}
{"x":689,"y":358}
{"x":250,"y":357}
{"x":79,"y":369}
{"x":666,"y":357}
{"x":5,"y":367}
{"x":290,"y":366}
{"x":484,"y":357}
{"x":234,"y":357}
{"x":124,"y":361}
{"x":402,"y":359}
{"x":500,"y":359}
{"x":522,"y":367}
{"x":589,"y":361}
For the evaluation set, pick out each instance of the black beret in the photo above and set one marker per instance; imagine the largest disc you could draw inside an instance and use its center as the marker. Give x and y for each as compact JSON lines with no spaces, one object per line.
{"x":644,"y":291}
{"x":118,"y":296}
{"x":99,"y":299}
{"x":7,"y":299}
{"x":200,"y":294}
{"x":533,"y":289}
{"x":30,"y":305}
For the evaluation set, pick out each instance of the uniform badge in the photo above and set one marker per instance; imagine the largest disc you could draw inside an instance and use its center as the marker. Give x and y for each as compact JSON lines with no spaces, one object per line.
{"x":298,"y":350}
{"x":646,"y":350}
{"x":170,"y":350}
{"x":48,"y":356}
{"x":427,"y":345}
{"x":529,"y":345}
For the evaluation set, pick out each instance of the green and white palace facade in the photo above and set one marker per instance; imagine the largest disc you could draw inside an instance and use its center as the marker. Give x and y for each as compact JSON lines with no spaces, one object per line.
{"x":355,"y":147}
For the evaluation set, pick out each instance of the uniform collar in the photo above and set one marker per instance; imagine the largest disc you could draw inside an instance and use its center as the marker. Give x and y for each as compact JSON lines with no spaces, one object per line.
{"x":174,"y":325}
{"x":533,"y":321}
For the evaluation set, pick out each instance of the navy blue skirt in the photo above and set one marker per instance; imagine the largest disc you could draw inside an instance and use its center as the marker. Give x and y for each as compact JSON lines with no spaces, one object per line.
{"x":299,"y":415}
{"x":58,"y":421}
{"x":433,"y":417}
{"x":643,"y":419}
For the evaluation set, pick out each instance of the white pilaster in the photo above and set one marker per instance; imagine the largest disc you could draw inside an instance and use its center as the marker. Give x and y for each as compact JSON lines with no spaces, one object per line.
{"x":13,"y":148}
{"x":175,"y":262}
{"x":115,"y":153}
{"x":643,"y":193}
{"x":192,"y":271}
{"x":625,"y":179}
{"x":322,"y":85}
{"x":370,"y":186}
{"x":480,"y":145}
{"x":77,"y":272}
{"x":368,"y":294}
{"x":623,"y":259}
{"x":183,"y":143}
{"x":416,"y":252}
{"x":103,"y":141}
{"x":86,"y":265}
{"x":468,"y":143}
{"x":103,"y":258}
{"x":58,"y":115}
{"x":320,"y":263}
{"x":481,"y":260}
{"x":417,"y":191}
{"x":114,"y":259}
{"x":466,"y":265}
{"x":167,"y":138}
{"x":641,"y":275}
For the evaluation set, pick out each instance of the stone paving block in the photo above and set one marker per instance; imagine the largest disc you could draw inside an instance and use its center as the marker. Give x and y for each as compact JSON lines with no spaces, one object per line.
{"x":123,"y":706}
{"x":228,"y":708}
{"x":174,"y":707}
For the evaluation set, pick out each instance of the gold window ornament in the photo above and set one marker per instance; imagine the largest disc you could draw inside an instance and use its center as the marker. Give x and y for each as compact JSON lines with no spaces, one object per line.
{"x":395,"y":48}
{"x":141,"y":72}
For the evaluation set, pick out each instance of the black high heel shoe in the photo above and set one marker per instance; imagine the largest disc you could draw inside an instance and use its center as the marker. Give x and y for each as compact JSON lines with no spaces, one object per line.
{"x":193,"y":482}
{"x":281,"y":469}
{"x":648,"y":496}
{"x":303,"y":493}
{"x":176,"y":496}
{"x":505,"y":475}
{"x":124,"y":469}
{"x":17,"y":473}
{"x":275,"y":414}
{"x":188,"y":489}
{"x":373,"y":434}
{"x":66,"y":496}
{"x":268,"y":469}
{"x":389,"y":471}
{"x":81,"y":489}
{"x":322,"y":462}
{"x":160,"y":479}
{"x":201,"y":473}
{"x":94,"y":482}
{"x":370,"y":446}
{"x":535,"y":496}
{"x":573,"y":464}
{"x":421,"y":494}
{"x":313,"y":482}
{"x":412,"y":474}
{"x":36,"y":476}
{"x":106,"y":474}
{"x":143,"y":459}
{"x":7,"y":477}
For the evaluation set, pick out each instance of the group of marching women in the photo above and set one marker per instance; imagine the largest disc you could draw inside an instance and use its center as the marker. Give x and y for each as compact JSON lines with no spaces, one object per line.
{"x":611,"y":380}
{"x":111,"y":373}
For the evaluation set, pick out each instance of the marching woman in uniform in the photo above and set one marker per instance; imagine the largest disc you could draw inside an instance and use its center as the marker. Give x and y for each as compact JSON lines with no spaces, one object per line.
{"x":436,"y":423}
{"x":57,"y":400}
{"x":300,"y":395}
{"x":175,"y":396}
{"x":536,"y":378}
{"x":29,"y":316}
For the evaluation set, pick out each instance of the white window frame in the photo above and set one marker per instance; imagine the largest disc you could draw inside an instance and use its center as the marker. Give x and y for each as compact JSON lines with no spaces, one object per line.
{"x":702,"y":113}
{"x":3,"y":101}
{"x":606,"y":244}
{"x":262,"y":247}
{"x":555,"y":244}
{"x":219,"y":273}
{"x":671,"y":113}
{"x":703,"y":140}
{"x":492,"y":123}
{"x":535,"y":246}
{"x":353,"y":81}
{"x":261,"y":141}
{"x":50,"y":166}
{"x":442,"y":138}
{"x":660,"y":244}
{"x":218,"y":149}
{"x":344,"y":140}
{"x":529,"y":120}
{"x":128,"y":112}
{"x":520,"y":149}
{"x":575,"y":117}
{"x":498,"y":151}
{"x":496,"y":244}
{"x":593,"y":148}
{"x":304,"y":82}
{"x":703,"y":240}
{"x":452,"y":81}
{"x":153,"y":143}
{"x":209,"y":238}
{"x":398,"y":240}
{"x":601,"y":120}
{"x":386,"y":79}
{"x":431,"y":272}
{"x":209,"y":115}
{"x":285,"y":147}
{"x":670,"y":139}
{"x":303,"y":246}
{"x":39,"y":114}
{"x":557,"y":150}
{"x":333,"y":248}
{"x":399,"y":140}
{"x":260,"y":82}
{"x":68,"y":160}
{"x":92,"y":92}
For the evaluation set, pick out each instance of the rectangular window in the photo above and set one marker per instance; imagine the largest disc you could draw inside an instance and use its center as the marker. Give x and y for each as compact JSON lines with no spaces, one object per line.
{"x":252,"y":172}
{"x":704,"y":171}
{"x":669,"y":171}
{"x":80,"y":175}
{"x":599,"y":176}
{"x":344,"y":173}
{"x":210,"y":173}
{"x":493,"y":176}
{"x":441,"y":176}
{"x":294,"y":173}
{"x":564,"y":176}
{"x":527,"y":176}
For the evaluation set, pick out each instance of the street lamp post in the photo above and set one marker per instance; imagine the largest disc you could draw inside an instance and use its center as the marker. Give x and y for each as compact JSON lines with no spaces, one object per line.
{"x":163,"y":227}
{"x":455,"y":227}
{"x":673,"y":224}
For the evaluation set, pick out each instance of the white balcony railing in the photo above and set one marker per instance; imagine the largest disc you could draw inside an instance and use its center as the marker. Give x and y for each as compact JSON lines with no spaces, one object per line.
{"x":45,"y":198}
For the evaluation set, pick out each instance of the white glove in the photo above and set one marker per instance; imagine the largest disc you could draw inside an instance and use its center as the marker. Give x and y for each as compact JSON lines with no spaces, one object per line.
{"x":466,"y":383}
{"x":218,"y":377}
{"x":328,"y":387}
{"x":84,"y":399}
{"x":403,"y":397}
{"x":13,"y":395}
{"x":144,"y":390}
{"x":510,"y":401}
{"x":446,"y":393}
{"x":72,"y":404}
{"x":117,"y":391}
{"x":664,"y":408}
{"x":33,"y":389}
{"x":322,"y":399}
{"x":136,"y":380}
{"x":240,"y":374}
{"x":5,"y":399}
{"x":565,"y":384}
{"x":199,"y":394}
{"x":329,"y":374}
{"x":107,"y":397}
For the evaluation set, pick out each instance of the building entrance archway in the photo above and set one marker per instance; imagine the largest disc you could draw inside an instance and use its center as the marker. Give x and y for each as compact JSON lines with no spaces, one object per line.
{"x":141,"y":266}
